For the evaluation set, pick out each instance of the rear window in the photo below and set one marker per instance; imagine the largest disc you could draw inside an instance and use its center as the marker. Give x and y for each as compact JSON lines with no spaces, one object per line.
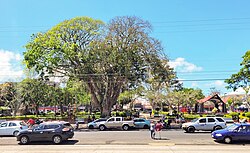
{"x":220,"y":120}
{"x":211,"y":120}
{"x":67,"y":125}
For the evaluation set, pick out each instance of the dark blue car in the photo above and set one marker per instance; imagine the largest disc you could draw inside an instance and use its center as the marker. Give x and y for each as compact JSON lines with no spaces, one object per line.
{"x":234,"y":132}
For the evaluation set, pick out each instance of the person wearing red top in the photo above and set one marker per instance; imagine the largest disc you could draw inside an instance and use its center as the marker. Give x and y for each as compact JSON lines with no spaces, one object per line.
{"x":158,"y":127}
{"x":31,"y":122}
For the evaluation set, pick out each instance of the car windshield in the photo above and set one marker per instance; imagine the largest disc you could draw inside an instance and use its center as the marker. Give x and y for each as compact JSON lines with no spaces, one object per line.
{"x":194,"y":120}
{"x":232,"y":127}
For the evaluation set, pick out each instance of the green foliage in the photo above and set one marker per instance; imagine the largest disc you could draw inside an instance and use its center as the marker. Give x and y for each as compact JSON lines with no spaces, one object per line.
{"x":233,"y":114}
{"x":247,"y":114}
{"x":191,"y":116}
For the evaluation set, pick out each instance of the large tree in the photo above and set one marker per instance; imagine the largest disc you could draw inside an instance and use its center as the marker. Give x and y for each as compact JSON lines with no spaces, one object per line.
{"x":242,"y":78}
{"x":105,"y":58}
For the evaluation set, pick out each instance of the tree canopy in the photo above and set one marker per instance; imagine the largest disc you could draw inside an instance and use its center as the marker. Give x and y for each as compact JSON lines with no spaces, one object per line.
{"x":106,"y":57}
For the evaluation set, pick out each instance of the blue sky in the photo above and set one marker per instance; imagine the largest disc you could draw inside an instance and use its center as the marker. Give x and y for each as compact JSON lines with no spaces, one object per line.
{"x":204,"y":39}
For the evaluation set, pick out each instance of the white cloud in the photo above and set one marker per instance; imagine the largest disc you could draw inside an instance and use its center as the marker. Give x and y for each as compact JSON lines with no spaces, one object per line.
{"x":217,"y":84}
{"x":10,"y":66}
{"x":181,"y":65}
{"x":194,"y":85}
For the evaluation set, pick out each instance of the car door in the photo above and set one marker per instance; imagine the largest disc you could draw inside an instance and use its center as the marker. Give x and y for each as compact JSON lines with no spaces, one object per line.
{"x":49,"y":131}
{"x":201,"y":124}
{"x":4,"y":128}
{"x":242,"y":132}
{"x":211,"y":123}
{"x":110,"y":123}
{"x":248,"y":133}
{"x":12,"y":126}
{"x":38,"y":133}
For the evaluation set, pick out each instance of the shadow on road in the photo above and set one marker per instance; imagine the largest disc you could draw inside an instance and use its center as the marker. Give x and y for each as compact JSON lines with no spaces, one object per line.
{"x":235,"y":143}
{"x":69,"y":142}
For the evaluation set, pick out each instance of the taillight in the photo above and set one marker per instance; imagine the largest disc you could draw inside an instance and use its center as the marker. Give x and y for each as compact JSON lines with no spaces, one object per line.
{"x":65,"y":129}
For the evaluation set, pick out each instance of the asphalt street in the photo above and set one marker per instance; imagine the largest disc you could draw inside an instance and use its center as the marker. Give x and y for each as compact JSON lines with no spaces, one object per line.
{"x":135,"y":137}
{"x":124,"y":149}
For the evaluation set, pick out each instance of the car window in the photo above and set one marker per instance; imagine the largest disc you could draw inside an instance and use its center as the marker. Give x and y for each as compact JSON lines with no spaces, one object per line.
{"x":136,"y":120}
{"x":141,"y":120}
{"x":211,"y":120}
{"x":118,"y":119}
{"x":203,"y":120}
{"x":248,"y":128}
{"x":53,"y":126}
{"x":4,"y":124}
{"x":111,"y":120}
{"x":220,"y":120}
{"x":242,"y":129}
{"x":12,"y":124}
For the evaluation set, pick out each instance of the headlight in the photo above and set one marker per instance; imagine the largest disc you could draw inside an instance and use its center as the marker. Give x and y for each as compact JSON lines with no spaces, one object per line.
{"x":218,"y":135}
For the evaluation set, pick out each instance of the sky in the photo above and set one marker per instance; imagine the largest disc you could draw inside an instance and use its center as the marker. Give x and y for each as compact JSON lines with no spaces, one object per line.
{"x":204,"y":39}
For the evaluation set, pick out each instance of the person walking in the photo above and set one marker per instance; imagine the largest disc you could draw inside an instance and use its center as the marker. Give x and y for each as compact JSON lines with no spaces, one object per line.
{"x":158,"y":128}
{"x":152,"y":130}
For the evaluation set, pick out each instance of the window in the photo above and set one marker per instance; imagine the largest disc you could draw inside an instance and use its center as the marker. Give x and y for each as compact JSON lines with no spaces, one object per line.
{"x":220,"y":120}
{"x":203,"y":120}
{"x":51,"y":126}
{"x":111,"y":120}
{"x":118,"y":119}
{"x":4,"y":124}
{"x":12,"y":124}
{"x":211,"y":120}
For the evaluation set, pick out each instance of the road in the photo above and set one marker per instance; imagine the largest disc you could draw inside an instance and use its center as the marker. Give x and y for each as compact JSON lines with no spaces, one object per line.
{"x":173,"y":141}
{"x":124,"y":149}
{"x":139,"y":137}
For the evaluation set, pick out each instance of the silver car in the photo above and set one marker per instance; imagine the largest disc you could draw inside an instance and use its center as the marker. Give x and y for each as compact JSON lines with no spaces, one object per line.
{"x":205,"y":124}
{"x":95,"y":124}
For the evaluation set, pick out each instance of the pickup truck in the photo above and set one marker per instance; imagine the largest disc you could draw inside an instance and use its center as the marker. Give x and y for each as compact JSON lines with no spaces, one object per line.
{"x":116,"y":122}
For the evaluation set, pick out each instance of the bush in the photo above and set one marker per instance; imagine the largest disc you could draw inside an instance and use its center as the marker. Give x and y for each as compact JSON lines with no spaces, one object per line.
{"x":247,"y":114}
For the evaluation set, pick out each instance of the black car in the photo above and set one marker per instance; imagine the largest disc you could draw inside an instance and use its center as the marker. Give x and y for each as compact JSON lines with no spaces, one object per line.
{"x":48,"y":131}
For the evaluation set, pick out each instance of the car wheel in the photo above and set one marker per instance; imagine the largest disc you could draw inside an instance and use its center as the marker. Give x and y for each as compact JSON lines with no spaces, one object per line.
{"x":15,"y":133}
{"x":91,"y":127}
{"x":146,"y":126}
{"x":228,"y":140}
{"x":217,"y":128}
{"x":24,"y":140}
{"x":125,"y":127}
{"x":191,"y":129}
{"x":57,"y":139}
{"x":102,"y":128}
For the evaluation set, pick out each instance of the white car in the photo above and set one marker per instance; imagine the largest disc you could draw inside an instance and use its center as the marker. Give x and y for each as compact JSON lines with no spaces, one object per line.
{"x":12,"y":127}
{"x":205,"y":124}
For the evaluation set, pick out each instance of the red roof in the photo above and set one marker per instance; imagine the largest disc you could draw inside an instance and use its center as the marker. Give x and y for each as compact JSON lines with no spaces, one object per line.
{"x":204,"y":99}
{"x":211,"y":97}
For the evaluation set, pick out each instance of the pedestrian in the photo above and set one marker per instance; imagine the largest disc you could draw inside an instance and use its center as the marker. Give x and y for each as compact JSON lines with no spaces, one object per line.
{"x":158,"y":128}
{"x":30,"y":122}
{"x":152,"y":130}
{"x":93,"y":117}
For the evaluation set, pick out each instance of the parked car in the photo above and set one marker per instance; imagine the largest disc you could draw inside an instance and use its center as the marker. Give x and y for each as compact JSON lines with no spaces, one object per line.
{"x":95,"y":124}
{"x":47,"y":131}
{"x":12,"y":127}
{"x":141,"y":123}
{"x":234,"y":132}
{"x":116,"y":122}
{"x":205,"y":124}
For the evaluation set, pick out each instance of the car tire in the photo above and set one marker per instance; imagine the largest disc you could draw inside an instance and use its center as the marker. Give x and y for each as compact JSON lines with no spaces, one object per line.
{"x":228,"y":140}
{"x":15,"y":133}
{"x":57,"y":139}
{"x":102,"y":127}
{"x":146,"y":126}
{"x":191,"y":129}
{"x":125,"y":127}
{"x":91,"y":127}
{"x":217,"y":128}
{"x":24,"y":140}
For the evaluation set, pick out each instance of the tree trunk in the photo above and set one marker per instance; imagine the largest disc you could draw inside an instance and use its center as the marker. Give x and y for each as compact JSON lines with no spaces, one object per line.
{"x":37,"y":107}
